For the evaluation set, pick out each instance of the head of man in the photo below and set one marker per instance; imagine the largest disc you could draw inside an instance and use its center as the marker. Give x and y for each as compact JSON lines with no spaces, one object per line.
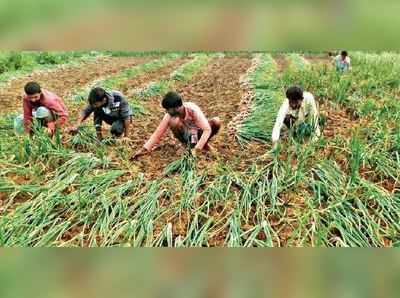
{"x":33,"y":91}
{"x":173,"y":104}
{"x":295,"y":96}
{"x":97,"y":97}
{"x":344,"y":54}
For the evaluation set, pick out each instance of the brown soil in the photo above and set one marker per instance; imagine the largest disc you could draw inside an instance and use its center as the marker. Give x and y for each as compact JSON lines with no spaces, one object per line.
{"x":281,"y":62}
{"x":20,"y":198}
{"x":315,"y":59}
{"x":150,"y":76}
{"x":3,"y":197}
{"x":62,"y":80}
{"x":338,"y":122}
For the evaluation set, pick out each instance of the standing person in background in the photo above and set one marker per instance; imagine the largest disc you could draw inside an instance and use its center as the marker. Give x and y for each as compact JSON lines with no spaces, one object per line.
{"x":46,"y":107}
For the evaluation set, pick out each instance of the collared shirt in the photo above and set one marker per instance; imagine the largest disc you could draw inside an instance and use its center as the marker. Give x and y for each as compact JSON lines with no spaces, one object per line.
{"x":117,"y":107}
{"x":48,"y":100}
{"x":193,"y":121}
{"x":308,"y":108}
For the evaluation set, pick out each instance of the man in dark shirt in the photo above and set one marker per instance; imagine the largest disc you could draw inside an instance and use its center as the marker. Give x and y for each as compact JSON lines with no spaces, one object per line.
{"x":110,"y":107}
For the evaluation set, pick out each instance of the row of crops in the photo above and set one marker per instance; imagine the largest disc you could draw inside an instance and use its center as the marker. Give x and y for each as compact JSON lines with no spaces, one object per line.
{"x":350,"y":197}
{"x":65,"y":165}
{"x":15,"y":63}
{"x":332,"y":192}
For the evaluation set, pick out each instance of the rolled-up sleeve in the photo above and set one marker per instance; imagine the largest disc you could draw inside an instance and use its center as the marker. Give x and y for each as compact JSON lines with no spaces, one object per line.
{"x":125,"y":109}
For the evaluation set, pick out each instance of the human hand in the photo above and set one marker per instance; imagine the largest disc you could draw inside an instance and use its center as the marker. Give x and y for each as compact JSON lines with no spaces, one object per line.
{"x":139,"y":153}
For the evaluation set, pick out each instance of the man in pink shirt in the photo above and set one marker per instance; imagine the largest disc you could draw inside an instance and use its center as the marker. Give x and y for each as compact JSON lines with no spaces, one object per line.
{"x":43,"y":105}
{"x":187,"y":122}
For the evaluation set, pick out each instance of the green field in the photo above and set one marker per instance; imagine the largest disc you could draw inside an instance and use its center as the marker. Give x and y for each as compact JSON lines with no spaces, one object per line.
{"x":340,"y":190}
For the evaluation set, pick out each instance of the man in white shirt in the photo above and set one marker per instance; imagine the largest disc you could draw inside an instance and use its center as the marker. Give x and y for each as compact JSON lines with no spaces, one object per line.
{"x":299,"y":107}
{"x":342,"y":62}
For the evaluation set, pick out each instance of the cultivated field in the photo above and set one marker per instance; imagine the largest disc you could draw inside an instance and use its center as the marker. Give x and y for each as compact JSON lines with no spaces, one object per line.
{"x":341,"y":190}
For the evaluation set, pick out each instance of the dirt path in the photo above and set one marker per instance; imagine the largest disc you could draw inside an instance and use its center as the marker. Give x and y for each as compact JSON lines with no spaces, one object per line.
{"x":62,"y":80}
{"x":316,"y":59}
{"x":219,"y":94}
{"x":281,"y":62}
{"x":151,"y":76}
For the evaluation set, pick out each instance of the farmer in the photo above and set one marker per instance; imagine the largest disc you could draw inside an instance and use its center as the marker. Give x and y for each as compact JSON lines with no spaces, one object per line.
{"x":110,"y":107}
{"x":298,"y":110}
{"x":188,"y":124}
{"x":45,"y":107}
{"x":342,"y":62}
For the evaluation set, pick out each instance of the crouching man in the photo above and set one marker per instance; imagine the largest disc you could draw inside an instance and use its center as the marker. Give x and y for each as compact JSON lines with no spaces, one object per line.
{"x":43,"y":107}
{"x":187,"y":123}
{"x":110,"y":107}
{"x":299,"y":111}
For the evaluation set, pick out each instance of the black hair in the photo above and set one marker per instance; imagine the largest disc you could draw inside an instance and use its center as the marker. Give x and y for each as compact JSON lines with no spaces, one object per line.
{"x":294,"y":93}
{"x":96,"y":94}
{"x":172,"y":100}
{"x":344,"y":53}
{"x":32,"y":88}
